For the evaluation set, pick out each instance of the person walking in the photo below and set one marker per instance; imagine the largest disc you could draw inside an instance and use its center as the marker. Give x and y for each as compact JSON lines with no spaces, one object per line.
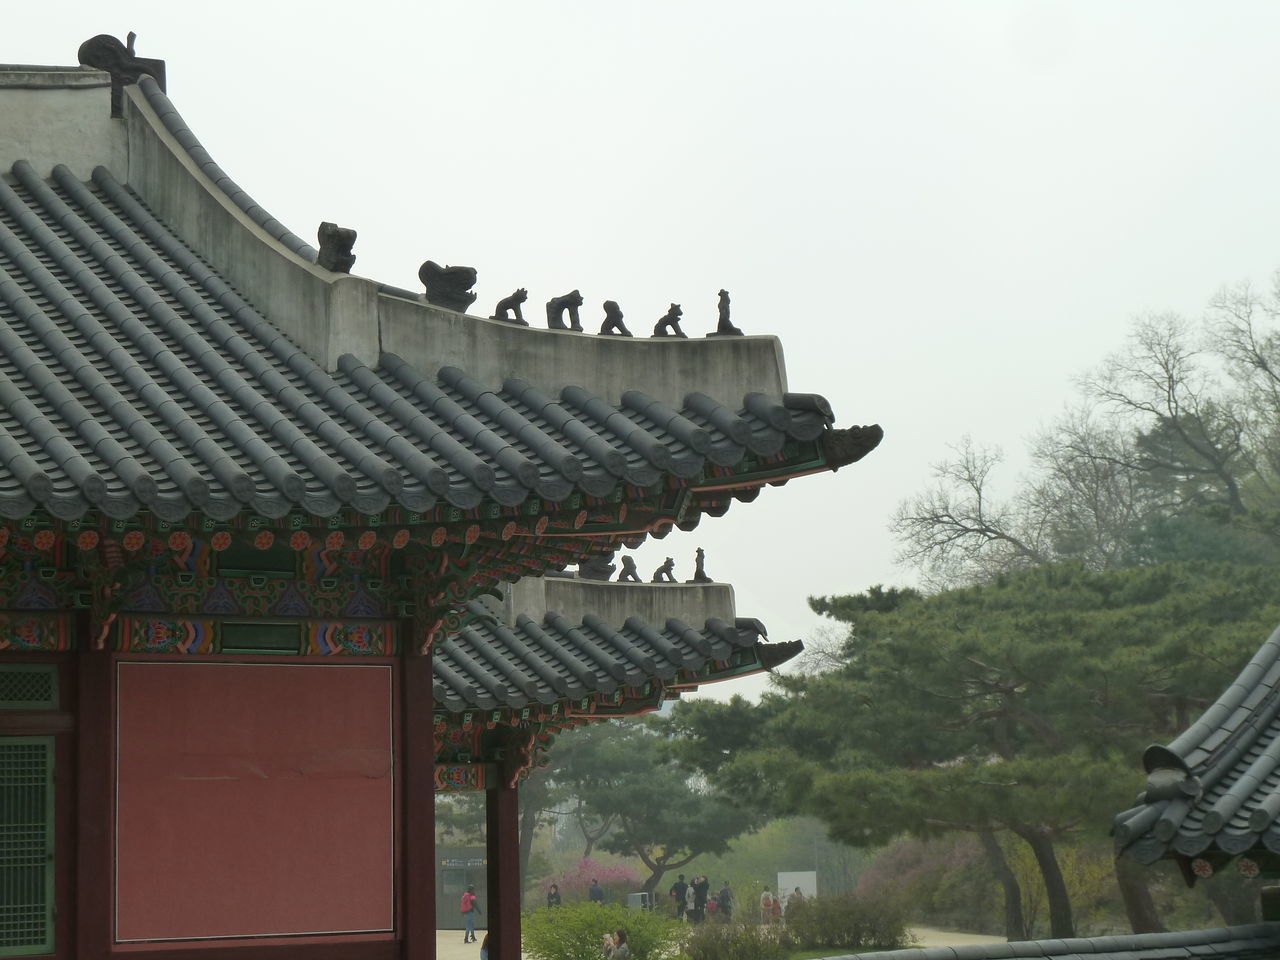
{"x":701,"y":887}
{"x":766,"y":906}
{"x":595,"y":893}
{"x":677,"y":892}
{"x":725,"y":899}
{"x":469,"y":908}
{"x":553,"y":896}
{"x":794,"y":900}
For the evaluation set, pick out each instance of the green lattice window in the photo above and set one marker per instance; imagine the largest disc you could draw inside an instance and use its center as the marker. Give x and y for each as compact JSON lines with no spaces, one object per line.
{"x":28,"y":686}
{"x":26,"y":845}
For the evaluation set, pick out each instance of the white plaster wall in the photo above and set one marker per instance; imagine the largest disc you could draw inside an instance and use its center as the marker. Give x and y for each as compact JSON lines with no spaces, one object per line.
{"x":84,"y":136}
{"x":724,"y":368}
{"x":654,"y":603}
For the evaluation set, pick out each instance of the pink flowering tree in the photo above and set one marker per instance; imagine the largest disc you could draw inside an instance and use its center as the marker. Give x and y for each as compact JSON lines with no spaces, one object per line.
{"x":617,"y":879}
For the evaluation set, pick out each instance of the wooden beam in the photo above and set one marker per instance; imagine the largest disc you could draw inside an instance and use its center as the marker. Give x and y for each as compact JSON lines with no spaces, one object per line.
{"x":418,"y":852}
{"x":37,"y":723}
{"x":502,"y":837}
{"x":95,"y":890}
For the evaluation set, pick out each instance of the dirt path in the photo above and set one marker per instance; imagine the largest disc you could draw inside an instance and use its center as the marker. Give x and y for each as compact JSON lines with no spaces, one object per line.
{"x":449,"y":945}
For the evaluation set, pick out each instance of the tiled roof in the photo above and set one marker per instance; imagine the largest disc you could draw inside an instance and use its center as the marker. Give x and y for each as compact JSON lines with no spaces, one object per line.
{"x":1254,"y":941}
{"x":134,"y":377}
{"x":1215,"y":791}
{"x":489,"y":665}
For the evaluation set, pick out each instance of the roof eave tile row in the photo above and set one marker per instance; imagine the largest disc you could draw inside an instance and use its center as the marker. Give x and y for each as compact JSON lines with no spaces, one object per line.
{"x":490,"y":665}
{"x":1216,"y":788}
{"x":1245,"y":942}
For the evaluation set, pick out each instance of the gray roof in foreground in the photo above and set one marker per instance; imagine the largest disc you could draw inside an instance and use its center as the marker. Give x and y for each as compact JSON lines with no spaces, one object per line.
{"x":134,"y":377}
{"x":488,"y":665}
{"x":1215,"y":790}
{"x":1254,"y":941}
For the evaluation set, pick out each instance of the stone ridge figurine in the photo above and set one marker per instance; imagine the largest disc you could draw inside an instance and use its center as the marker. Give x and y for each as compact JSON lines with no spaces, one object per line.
{"x":629,"y":574}
{"x":448,"y":287}
{"x":699,"y":568}
{"x":724,"y":328}
{"x":556,"y":307}
{"x":665,"y":573}
{"x":597,"y":568}
{"x":106,"y":52}
{"x":335,"y":247}
{"x":671,"y":321}
{"x":512,"y":303}
{"x":613,"y":325}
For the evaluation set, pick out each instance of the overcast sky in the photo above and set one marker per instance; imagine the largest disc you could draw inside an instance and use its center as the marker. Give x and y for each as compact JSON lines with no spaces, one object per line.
{"x":945,"y":210}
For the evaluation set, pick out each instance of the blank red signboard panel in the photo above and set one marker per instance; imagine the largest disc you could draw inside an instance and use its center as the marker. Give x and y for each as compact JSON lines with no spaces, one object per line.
{"x":253,"y":800}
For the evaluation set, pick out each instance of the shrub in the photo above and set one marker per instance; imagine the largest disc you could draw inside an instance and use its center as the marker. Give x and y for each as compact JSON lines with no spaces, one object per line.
{"x":732,"y":941}
{"x":847,"y":922}
{"x":575,"y":931}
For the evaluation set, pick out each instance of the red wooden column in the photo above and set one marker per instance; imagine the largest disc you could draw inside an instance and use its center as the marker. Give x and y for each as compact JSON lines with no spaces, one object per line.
{"x":95,"y":810}
{"x":418,"y":908}
{"x":502,"y":839}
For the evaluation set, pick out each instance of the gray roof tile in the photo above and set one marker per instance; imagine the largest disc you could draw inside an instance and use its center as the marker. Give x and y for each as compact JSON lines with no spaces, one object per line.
{"x":1231,"y":757}
{"x":1247,"y":942}
{"x":134,"y":377}
{"x":488,"y":664}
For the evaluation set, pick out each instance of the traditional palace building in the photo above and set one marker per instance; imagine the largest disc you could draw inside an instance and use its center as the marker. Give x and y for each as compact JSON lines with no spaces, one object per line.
{"x":259,"y":525}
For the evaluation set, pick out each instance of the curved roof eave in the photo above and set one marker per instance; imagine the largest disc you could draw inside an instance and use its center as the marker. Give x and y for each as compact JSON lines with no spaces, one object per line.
{"x":1214,"y":791}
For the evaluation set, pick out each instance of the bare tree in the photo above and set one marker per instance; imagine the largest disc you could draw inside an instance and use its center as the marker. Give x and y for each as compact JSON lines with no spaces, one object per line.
{"x":1238,"y":320}
{"x":1189,"y":433}
{"x":822,"y":651}
{"x":1088,"y":493}
{"x":956,"y":532}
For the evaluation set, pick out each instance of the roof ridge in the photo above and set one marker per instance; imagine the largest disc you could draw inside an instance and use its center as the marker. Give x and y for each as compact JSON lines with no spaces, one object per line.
{"x":177,"y":127}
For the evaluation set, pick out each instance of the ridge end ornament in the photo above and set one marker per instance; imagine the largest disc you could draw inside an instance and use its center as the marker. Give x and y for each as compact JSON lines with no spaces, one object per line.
{"x":105,"y":52}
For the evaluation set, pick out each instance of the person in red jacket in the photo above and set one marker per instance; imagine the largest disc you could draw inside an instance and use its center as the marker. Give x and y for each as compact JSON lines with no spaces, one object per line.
{"x":469,"y":909}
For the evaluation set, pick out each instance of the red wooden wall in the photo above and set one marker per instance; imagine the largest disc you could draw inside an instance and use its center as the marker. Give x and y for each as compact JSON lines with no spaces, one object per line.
{"x":254,"y":800}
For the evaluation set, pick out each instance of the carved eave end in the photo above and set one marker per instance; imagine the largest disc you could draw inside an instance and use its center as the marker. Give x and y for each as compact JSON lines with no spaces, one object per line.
{"x":775,"y":654}
{"x":848,"y":445}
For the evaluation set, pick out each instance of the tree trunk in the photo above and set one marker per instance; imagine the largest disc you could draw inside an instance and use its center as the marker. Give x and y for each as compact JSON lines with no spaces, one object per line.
{"x":591,"y":836}
{"x":658,"y":869}
{"x":1055,"y":887}
{"x":533,"y":798}
{"x":1015,"y":926}
{"x":1136,"y":894}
